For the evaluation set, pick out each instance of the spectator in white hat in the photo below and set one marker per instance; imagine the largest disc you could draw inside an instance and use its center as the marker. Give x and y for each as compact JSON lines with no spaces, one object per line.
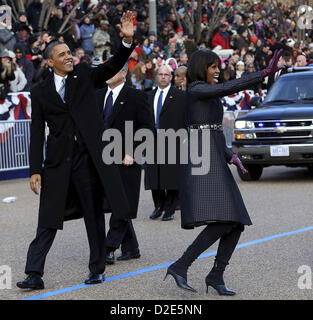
{"x":6,"y":73}
{"x":240,"y":69}
{"x":20,"y":81}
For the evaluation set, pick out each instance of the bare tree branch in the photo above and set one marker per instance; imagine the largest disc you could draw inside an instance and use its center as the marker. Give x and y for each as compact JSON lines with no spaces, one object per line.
{"x":48,"y":16}
{"x":173,"y":2}
{"x":82,"y":18}
{"x":217,"y":15}
{"x":69,"y":16}
{"x":198,"y":21}
{"x":15,"y":14}
{"x":42,"y":13}
{"x":192,"y":11}
{"x":20,"y":6}
{"x":188,"y":20}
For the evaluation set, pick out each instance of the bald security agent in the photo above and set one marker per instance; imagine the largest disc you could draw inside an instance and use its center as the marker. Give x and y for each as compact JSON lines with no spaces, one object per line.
{"x":168,"y":105}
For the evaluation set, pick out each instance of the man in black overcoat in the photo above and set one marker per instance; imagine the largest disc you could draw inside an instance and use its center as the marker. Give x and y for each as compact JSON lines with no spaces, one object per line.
{"x":168,"y":105}
{"x":130,"y":106}
{"x":74,"y":177}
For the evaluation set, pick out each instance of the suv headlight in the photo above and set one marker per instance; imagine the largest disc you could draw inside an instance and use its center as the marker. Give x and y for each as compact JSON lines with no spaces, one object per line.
{"x":242,"y":124}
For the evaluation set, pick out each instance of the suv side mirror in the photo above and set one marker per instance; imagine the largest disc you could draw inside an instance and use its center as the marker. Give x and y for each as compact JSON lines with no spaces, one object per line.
{"x":255,"y":101}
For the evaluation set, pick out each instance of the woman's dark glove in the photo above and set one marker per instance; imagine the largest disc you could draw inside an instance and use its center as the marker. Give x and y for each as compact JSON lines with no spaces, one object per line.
{"x":272,"y":68}
{"x":236,"y":161}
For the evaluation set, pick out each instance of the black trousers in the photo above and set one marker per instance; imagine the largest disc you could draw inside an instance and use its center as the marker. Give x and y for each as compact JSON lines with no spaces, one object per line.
{"x":85,"y":181}
{"x":165,"y":200}
{"x":121,"y":233}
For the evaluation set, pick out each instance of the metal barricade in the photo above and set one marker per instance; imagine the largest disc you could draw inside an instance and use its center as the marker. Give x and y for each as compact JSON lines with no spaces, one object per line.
{"x":228,"y":127}
{"x":14,"y":145}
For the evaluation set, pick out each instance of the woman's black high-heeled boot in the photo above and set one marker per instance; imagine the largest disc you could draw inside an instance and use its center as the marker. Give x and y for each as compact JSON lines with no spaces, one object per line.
{"x":205,"y":239}
{"x":225,"y":250}
{"x":180,"y":281}
{"x":215,"y":279}
{"x":179,"y":268}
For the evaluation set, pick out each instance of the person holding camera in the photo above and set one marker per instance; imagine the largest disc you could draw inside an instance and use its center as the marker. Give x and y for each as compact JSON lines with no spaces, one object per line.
{"x":34,"y":52}
{"x":6,"y":73}
{"x":20,"y":81}
{"x":148,"y":47}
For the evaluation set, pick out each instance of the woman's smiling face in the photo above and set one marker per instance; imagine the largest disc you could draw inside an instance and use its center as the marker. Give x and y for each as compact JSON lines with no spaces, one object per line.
{"x":213,"y":73}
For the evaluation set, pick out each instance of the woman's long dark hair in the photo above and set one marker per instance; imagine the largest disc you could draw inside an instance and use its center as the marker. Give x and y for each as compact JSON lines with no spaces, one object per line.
{"x":199,"y":63}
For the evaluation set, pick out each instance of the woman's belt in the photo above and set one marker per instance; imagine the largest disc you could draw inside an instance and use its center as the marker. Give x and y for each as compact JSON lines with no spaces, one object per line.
{"x":211,"y":126}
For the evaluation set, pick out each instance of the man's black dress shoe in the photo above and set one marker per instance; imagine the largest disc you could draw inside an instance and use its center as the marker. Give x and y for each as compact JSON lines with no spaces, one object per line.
{"x":110,"y":259}
{"x":33,"y":281}
{"x":168,"y":217}
{"x":129,"y":255}
{"x":94,"y":278}
{"x":156,"y":213}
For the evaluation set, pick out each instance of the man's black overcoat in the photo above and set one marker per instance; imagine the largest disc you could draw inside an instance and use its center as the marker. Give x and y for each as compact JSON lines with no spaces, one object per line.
{"x":79,"y":115}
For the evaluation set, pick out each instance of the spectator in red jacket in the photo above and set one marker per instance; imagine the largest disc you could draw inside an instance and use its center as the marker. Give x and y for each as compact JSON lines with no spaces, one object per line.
{"x":221,"y":38}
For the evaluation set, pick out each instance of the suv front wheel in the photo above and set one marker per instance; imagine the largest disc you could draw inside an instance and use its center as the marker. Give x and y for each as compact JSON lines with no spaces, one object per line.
{"x":254,"y":172}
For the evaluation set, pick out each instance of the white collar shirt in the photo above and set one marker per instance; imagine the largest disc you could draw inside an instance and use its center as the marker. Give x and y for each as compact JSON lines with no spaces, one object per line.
{"x":115,"y":92}
{"x":58,"y":81}
{"x":156,"y":98}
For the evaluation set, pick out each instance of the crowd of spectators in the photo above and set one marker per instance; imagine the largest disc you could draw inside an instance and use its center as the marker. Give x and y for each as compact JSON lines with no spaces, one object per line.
{"x":245,"y":40}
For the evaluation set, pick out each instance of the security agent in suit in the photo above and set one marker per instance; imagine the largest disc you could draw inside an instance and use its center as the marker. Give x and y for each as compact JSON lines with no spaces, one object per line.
{"x":74,"y":175}
{"x":168,"y":105}
{"x":119,"y":103}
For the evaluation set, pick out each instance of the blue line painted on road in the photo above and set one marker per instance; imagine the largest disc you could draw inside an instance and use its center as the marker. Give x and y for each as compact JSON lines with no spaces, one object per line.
{"x":121,"y":276}
{"x":251,"y":243}
{"x":154,"y":268}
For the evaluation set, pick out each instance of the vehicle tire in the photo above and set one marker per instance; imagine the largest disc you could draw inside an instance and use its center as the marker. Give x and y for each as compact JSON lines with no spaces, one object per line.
{"x":254,"y":172}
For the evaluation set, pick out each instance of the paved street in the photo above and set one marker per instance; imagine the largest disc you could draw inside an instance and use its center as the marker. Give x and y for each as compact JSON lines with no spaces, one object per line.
{"x":264,"y":266}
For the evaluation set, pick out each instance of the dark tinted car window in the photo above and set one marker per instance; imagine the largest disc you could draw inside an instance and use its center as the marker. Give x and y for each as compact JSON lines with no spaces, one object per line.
{"x":291,"y":88}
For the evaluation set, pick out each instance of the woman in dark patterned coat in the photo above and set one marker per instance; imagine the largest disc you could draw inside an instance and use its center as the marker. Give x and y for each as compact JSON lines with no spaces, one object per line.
{"x":212,"y":198}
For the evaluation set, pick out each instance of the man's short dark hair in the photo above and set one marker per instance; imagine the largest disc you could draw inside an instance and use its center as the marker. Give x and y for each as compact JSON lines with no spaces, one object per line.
{"x":49,"y":50}
{"x":287,"y":55}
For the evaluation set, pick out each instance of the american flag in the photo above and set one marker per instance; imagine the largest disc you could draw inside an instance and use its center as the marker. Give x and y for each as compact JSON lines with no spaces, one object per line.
{"x":17,"y":106}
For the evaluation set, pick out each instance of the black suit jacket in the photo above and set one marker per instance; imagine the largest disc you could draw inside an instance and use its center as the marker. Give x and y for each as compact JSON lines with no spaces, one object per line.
{"x":78,"y":115}
{"x":172,"y":116}
{"x":271,"y":78}
{"x":131,"y":105}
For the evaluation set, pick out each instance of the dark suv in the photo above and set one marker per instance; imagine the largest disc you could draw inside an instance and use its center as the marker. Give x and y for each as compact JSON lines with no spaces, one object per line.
{"x":279,"y":131}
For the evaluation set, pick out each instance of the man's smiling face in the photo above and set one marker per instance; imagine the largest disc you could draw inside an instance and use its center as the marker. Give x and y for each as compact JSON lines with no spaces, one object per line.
{"x":61,"y":60}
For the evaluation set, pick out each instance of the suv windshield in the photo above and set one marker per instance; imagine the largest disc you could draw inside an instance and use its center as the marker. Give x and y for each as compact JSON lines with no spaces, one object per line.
{"x":291,"y":90}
